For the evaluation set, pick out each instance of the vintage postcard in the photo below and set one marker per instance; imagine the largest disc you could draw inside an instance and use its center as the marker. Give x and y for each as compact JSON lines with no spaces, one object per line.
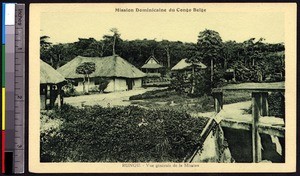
{"x":154,"y":87}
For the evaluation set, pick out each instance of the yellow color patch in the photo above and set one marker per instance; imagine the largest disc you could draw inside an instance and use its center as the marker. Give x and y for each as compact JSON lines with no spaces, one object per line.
{"x":3,"y":108}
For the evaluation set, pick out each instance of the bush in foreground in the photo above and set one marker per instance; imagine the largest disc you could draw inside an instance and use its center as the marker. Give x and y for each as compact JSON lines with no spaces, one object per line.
{"x":129,"y":134}
{"x":165,"y":93}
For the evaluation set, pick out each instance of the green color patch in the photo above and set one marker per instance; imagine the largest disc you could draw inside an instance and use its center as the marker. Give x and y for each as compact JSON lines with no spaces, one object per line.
{"x":3,"y":65}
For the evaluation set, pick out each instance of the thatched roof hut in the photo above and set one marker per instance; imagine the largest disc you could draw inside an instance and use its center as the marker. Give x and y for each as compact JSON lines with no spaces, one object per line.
{"x":49,"y":75}
{"x":152,"y":63}
{"x":51,"y":82}
{"x":110,"y":66}
{"x":120,"y":74}
{"x":183,"y":65}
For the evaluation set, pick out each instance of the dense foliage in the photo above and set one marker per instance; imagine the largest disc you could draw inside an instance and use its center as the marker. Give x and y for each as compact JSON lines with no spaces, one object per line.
{"x":209,"y":45}
{"x":276,"y":102}
{"x":250,"y":61}
{"x":86,"y":68}
{"x":135,"y":51}
{"x":127,"y":134}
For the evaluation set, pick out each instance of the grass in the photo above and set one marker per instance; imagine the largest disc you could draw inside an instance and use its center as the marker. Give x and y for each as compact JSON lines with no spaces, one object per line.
{"x":160,"y":99}
{"x":118,"y":134}
{"x":154,"y":94}
{"x":276,"y":105}
{"x":236,"y":96}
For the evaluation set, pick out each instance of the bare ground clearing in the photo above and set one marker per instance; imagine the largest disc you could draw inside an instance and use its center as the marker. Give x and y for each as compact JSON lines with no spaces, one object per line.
{"x":107,"y":99}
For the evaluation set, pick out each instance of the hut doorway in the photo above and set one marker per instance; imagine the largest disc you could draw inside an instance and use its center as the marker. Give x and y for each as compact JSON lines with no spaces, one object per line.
{"x":50,"y":95}
{"x":129,"y":83}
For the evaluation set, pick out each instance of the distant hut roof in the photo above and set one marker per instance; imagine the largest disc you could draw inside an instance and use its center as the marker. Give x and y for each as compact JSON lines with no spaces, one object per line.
{"x":110,"y":66}
{"x":151,"y":62}
{"x":49,"y":75}
{"x":183,"y":64}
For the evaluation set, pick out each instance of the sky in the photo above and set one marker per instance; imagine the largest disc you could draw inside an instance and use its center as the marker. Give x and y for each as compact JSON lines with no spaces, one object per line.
{"x":64,"y":27}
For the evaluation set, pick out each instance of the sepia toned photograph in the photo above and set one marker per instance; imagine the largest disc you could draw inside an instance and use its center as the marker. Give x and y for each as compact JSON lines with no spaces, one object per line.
{"x":161,"y":86}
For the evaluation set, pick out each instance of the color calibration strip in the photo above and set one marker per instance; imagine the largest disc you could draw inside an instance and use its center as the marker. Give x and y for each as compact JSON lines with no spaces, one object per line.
{"x":13,"y":85}
{"x":3,"y":91}
{"x":7,"y":85}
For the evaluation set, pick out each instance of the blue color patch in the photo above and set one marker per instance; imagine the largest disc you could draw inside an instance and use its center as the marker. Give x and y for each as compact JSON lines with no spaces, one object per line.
{"x":3,"y":23}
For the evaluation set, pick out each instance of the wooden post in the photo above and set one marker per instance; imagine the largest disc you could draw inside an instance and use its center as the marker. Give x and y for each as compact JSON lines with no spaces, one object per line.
{"x":264,"y":104}
{"x":218,"y":101}
{"x":52,"y":96}
{"x":59,"y":96}
{"x":88,"y":85}
{"x":283,"y":105}
{"x":256,"y":147}
{"x":43,"y":96}
{"x":48,"y":88}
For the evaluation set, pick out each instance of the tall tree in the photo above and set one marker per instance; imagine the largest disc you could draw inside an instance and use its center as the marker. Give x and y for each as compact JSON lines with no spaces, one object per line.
{"x":86,"y":69}
{"x":44,"y":43}
{"x":44,"y":48}
{"x":167,"y":48}
{"x":112,"y":40}
{"x":248,"y":46}
{"x":210,"y":46}
{"x":230,"y":52}
{"x":57,"y":54}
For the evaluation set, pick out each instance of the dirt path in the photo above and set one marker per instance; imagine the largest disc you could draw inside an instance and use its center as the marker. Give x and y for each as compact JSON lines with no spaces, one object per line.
{"x":108,"y":99}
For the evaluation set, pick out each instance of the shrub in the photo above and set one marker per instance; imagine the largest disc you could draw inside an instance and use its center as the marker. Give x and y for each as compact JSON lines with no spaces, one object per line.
{"x":153,"y":94}
{"x":202,"y":83}
{"x":69,"y":90}
{"x":201,"y":104}
{"x":127,"y":134}
{"x":276,"y":103}
{"x":50,"y":136}
{"x":180,"y":83}
{"x":94,"y":89}
{"x":103,"y":83}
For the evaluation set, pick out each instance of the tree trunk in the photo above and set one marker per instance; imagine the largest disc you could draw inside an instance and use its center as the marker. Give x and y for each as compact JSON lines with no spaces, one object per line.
{"x":114,"y":45}
{"x":103,"y":49}
{"x":211,"y":69}
{"x":245,"y":57}
{"x":168,"y":57}
{"x":58,"y":61}
{"x":225,"y":63}
{"x":88,"y":85}
{"x":51,"y":61}
{"x":193,"y":79}
{"x":83,"y":84}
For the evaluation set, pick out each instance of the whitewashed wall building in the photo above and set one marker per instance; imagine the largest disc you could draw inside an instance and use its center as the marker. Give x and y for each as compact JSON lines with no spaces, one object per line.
{"x":120,"y":74}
